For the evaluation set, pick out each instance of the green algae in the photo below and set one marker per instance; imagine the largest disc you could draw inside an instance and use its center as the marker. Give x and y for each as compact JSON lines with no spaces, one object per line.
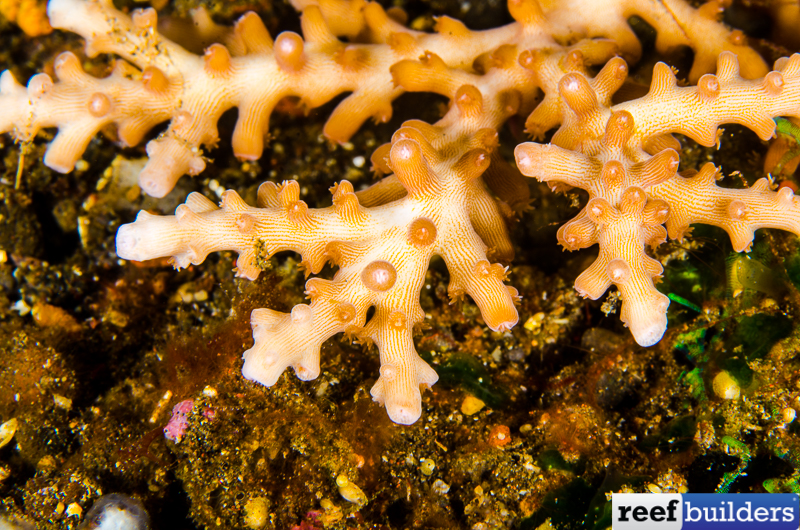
{"x":462,"y":370}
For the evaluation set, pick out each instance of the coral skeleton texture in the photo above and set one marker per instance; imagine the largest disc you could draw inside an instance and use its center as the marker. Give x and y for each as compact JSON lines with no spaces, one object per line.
{"x":445,"y":189}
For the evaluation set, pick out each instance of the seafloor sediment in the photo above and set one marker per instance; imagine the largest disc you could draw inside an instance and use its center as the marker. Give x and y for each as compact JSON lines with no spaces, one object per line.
{"x":525,"y":429}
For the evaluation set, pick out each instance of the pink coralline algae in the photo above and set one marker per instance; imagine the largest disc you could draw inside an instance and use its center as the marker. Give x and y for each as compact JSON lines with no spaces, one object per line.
{"x":176,"y":427}
{"x":209,"y":413}
{"x":310,"y":523}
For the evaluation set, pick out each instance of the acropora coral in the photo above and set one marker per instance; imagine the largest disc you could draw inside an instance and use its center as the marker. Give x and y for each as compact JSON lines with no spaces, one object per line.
{"x":446,"y":190}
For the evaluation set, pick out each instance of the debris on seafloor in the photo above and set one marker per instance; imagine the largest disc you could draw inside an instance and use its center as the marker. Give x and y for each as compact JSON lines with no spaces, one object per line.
{"x":116,"y":512}
{"x":7,"y":431}
{"x":726,"y":386}
{"x":472,"y":405}
{"x":256,"y":513}
{"x":349,"y":491}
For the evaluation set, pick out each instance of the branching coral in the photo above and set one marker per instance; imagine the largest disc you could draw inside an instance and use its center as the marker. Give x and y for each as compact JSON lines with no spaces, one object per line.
{"x":625,"y":157}
{"x":446,"y":191}
{"x":159,"y":80}
{"x":382,"y":254}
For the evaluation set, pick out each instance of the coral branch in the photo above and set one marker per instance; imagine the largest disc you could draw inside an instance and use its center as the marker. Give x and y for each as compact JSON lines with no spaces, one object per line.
{"x":677,"y":24}
{"x":382,"y":253}
{"x":622,"y":234}
{"x":740,"y":212}
{"x":697,"y":112}
{"x":625,"y":157}
{"x":251,"y":72}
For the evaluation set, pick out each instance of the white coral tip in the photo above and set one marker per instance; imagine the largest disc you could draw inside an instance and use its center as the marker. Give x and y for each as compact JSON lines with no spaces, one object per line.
{"x":404,"y":411}
{"x":261,"y":366}
{"x":651,"y":332}
{"x":127,"y":242}
{"x":306,"y":370}
{"x":154,"y":186}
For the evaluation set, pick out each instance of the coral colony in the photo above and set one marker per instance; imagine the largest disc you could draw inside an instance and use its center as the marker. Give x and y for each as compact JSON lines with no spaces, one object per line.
{"x":445,"y":191}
